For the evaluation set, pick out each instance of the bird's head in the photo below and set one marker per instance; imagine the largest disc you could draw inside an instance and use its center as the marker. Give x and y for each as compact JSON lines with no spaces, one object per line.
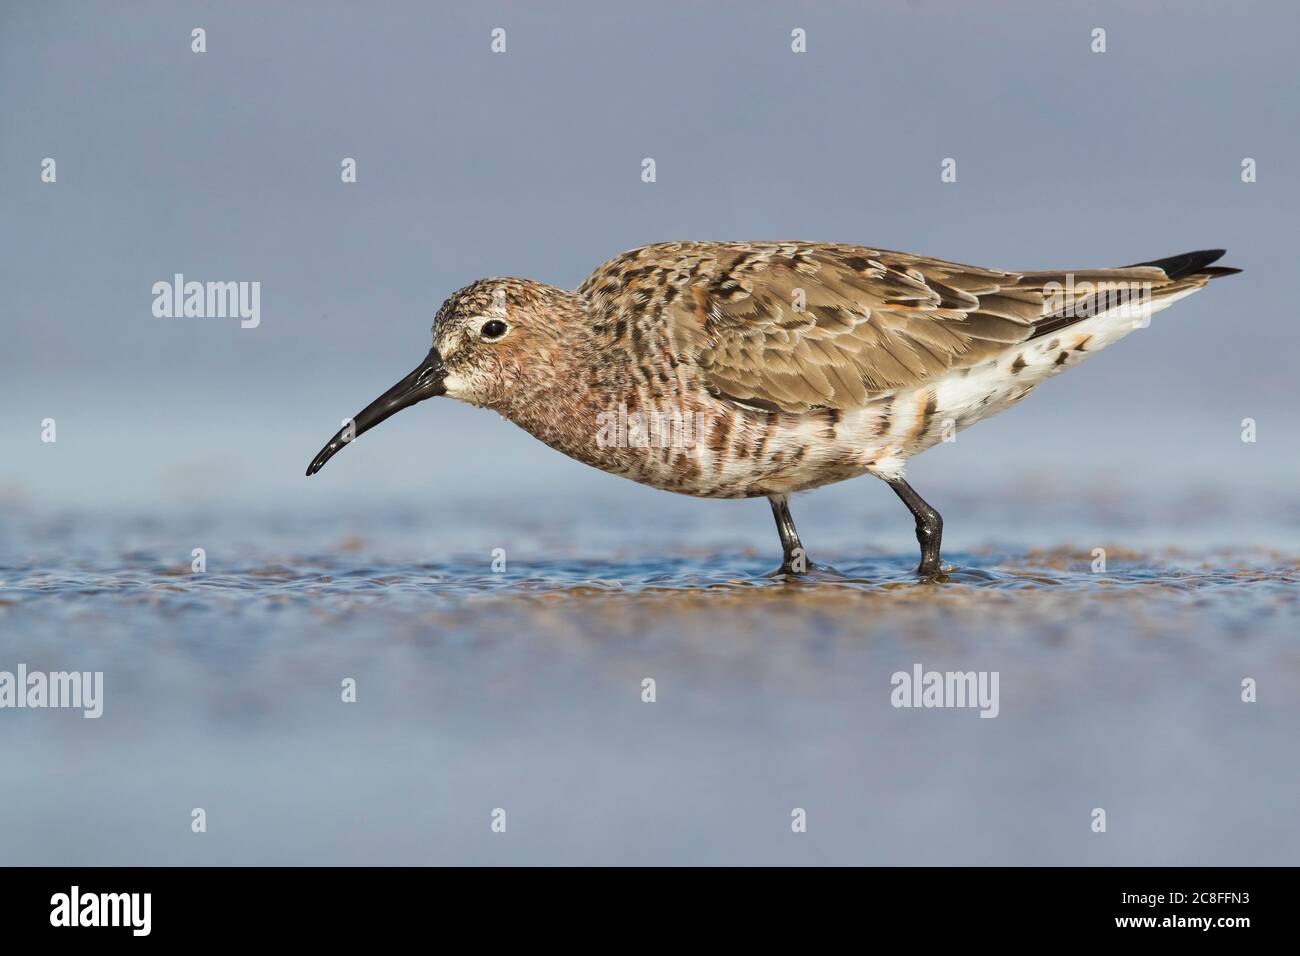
{"x":496,"y":343}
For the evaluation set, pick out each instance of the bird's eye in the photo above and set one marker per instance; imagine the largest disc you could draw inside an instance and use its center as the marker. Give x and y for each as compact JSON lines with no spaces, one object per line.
{"x":492,"y":330}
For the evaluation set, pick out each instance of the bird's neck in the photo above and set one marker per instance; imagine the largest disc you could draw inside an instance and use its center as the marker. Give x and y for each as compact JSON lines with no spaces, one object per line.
{"x":574,"y":384}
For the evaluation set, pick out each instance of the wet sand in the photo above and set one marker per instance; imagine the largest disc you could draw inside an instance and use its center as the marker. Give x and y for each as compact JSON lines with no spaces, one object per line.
{"x":523,"y":690}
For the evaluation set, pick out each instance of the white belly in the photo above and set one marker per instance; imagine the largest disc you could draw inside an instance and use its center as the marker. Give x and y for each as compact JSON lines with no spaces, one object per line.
{"x":886,"y":433}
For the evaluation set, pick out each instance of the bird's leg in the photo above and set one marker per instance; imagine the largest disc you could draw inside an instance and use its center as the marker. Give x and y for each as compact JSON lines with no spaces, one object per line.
{"x":794,"y":560}
{"x":929,"y":527}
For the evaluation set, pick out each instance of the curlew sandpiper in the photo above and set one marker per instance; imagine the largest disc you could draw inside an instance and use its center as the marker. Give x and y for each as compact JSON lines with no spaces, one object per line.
{"x":761,"y":369}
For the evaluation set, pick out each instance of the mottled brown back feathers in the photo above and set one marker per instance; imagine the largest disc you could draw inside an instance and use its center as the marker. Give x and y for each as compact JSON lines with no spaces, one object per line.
{"x":793,"y":326}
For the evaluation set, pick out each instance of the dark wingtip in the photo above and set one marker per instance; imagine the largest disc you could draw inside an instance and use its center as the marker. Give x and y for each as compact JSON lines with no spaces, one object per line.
{"x":1189,"y":263}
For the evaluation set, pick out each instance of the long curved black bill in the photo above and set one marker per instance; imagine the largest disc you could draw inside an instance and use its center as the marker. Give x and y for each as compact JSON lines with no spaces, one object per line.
{"x":425,"y":382}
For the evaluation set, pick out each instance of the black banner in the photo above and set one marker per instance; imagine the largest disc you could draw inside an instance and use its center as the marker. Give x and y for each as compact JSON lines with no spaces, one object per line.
{"x":336,"y":904}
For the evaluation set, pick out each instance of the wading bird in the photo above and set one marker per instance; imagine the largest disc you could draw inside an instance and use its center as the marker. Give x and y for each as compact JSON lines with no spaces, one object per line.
{"x":799,"y":363}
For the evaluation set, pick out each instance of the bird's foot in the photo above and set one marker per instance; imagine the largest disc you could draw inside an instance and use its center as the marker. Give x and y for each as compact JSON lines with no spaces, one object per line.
{"x":930,"y":571}
{"x":793,"y":569}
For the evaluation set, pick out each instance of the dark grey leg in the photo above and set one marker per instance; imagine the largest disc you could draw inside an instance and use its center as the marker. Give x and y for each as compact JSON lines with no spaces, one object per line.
{"x":929,"y":527}
{"x":794,"y":560}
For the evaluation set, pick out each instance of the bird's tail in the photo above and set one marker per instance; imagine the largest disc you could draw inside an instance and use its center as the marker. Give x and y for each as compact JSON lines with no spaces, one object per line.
{"x":1161,"y":281}
{"x":1187,"y":264}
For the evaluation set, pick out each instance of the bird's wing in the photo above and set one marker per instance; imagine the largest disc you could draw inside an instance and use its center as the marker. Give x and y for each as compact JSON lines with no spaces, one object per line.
{"x":794,"y":326}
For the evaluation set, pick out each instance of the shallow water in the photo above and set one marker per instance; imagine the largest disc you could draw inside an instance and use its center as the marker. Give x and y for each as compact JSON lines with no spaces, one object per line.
{"x":522,"y":690}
